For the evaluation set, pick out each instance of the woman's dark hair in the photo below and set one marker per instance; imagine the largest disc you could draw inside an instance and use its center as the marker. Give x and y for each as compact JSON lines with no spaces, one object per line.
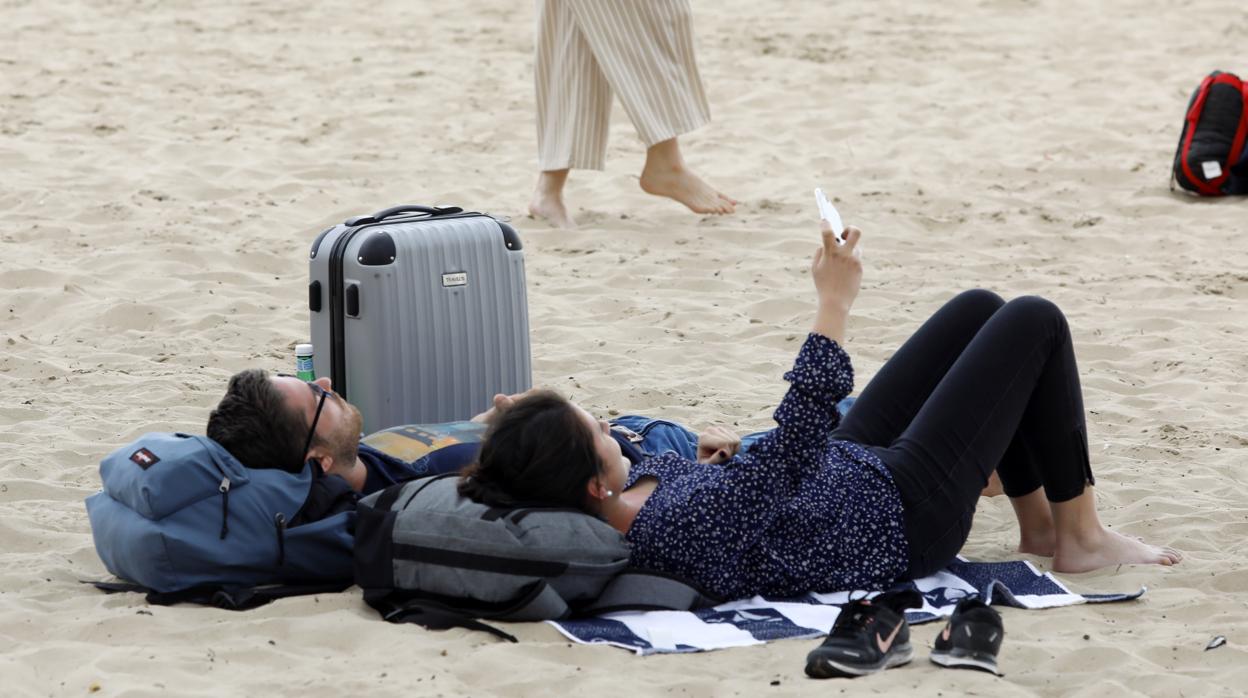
{"x":538,"y":451}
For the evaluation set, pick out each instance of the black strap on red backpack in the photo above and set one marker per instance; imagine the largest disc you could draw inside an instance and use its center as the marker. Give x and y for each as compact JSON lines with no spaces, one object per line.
{"x":1211,"y":159}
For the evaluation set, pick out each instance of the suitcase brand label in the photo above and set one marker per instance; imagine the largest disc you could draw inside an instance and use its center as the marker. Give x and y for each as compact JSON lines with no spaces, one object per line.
{"x":458,"y":278}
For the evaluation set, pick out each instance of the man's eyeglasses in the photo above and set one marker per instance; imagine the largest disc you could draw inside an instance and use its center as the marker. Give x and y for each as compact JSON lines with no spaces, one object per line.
{"x":321,"y":395}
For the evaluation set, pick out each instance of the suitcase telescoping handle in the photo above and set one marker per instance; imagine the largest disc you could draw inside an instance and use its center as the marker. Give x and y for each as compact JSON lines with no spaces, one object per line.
{"x":405,"y":208}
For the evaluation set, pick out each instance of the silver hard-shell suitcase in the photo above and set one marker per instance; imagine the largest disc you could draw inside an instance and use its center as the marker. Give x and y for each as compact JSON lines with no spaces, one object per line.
{"x":419,"y":314}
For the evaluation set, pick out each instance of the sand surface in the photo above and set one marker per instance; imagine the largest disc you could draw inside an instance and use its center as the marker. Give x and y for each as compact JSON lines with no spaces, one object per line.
{"x":165,"y":165}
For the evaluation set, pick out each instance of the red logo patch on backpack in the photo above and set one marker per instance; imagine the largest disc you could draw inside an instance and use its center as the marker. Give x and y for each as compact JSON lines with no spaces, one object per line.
{"x":1212,"y":159}
{"x":144,"y":458}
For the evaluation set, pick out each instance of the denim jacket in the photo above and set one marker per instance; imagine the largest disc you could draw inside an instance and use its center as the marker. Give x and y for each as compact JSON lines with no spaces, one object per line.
{"x":646,"y":437}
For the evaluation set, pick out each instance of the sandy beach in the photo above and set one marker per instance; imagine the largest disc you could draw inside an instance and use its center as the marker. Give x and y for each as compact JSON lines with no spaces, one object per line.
{"x":164,"y":167}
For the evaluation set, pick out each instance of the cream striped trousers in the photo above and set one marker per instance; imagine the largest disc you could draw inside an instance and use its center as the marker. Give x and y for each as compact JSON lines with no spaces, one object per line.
{"x":641,"y":50}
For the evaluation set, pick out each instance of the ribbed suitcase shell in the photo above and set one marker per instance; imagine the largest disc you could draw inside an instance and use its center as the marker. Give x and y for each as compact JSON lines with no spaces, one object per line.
{"x":442,"y":322}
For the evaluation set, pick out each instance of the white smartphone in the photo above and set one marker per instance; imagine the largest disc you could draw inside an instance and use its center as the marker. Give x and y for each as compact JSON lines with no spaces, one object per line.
{"x":828,"y":213}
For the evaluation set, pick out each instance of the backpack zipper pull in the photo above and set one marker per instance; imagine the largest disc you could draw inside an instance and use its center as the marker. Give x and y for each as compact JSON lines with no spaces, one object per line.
{"x":280,"y":522}
{"x":224,"y":489}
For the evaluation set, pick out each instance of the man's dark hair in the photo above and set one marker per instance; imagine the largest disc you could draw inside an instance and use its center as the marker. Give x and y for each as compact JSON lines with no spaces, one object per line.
{"x":254,"y":423}
{"x":537,"y":451}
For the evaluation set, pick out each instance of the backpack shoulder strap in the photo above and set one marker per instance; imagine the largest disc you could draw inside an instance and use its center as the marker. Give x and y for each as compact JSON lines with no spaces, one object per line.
{"x":644,"y":590}
{"x":433,"y":616}
{"x":632,"y":590}
{"x":539,"y":602}
{"x":228,"y":598}
{"x":1241,"y":133}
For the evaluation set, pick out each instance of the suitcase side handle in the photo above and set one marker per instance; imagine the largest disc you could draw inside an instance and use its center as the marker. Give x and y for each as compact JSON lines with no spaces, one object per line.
{"x":405,"y":208}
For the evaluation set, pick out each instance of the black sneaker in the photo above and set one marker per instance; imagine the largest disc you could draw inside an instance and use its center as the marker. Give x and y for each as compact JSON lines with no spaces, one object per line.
{"x":868,"y":636}
{"x":971,"y":638}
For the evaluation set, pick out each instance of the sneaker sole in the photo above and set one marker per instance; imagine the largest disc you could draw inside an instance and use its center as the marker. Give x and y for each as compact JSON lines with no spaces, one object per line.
{"x":820,"y":667}
{"x":961,"y":659}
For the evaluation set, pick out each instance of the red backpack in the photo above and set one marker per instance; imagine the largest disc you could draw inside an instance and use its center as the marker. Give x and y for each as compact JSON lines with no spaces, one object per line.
{"x":1212,"y":159}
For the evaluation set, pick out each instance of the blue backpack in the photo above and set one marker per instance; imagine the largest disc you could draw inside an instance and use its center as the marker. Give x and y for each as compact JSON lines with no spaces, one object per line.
{"x":181,"y":518}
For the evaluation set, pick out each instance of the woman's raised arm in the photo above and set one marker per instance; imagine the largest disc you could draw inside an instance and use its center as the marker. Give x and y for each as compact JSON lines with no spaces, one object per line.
{"x":822,"y":374}
{"x":837,"y":273}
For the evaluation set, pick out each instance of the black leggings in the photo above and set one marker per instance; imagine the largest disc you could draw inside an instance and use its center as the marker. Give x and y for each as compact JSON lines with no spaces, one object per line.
{"x":983,"y":385}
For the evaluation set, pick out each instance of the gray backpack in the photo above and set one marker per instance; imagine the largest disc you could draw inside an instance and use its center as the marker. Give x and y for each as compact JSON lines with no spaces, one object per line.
{"x":425,"y":554}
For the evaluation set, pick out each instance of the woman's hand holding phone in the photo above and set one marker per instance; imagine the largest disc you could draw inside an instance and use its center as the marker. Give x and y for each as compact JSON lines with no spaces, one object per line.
{"x":829,"y":213}
{"x":837,"y":273}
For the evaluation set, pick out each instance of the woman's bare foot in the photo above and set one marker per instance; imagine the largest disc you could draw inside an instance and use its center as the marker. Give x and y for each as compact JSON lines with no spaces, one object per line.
{"x":1105,"y":548}
{"x":1084,"y":544}
{"x":1036,"y":533}
{"x":1038,"y":544}
{"x":665,"y":174}
{"x":547,"y":202}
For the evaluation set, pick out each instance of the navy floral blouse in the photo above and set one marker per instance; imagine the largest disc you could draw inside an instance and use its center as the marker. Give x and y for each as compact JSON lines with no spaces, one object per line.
{"x":795,"y":513}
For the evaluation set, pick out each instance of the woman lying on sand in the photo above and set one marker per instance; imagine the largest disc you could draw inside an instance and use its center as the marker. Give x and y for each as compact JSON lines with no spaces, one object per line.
{"x":823,"y":504}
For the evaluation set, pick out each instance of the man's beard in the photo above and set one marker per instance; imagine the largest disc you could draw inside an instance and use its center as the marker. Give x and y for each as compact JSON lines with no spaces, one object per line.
{"x":345,"y":443}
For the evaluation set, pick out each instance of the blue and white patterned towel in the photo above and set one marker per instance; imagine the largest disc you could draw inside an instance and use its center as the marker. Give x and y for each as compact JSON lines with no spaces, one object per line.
{"x":759,"y":619}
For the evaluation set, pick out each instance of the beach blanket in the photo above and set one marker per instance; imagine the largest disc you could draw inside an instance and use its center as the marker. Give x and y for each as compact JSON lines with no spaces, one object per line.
{"x":761,"y":619}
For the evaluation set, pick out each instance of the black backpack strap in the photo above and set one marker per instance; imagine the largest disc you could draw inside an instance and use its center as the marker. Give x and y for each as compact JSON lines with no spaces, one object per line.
{"x":389,"y":496}
{"x":644,"y":590}
{"x":435,"y":612}
{"x":228,"y":598}
{"x":537,"y":601}
{"x":328,"y":495}
{"x":541,"y":602}
{"x":434,"y":617}
{"x":631,"y":590}
{"x":246,"y":598}
{"x":373,"y":551}
{"x":116,"y":587}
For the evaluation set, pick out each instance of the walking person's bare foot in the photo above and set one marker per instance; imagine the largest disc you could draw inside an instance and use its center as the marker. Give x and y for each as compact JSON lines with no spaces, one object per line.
{"x":687,"y":188}
{"x":547,"y":202}
{"x":665,"y":174}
